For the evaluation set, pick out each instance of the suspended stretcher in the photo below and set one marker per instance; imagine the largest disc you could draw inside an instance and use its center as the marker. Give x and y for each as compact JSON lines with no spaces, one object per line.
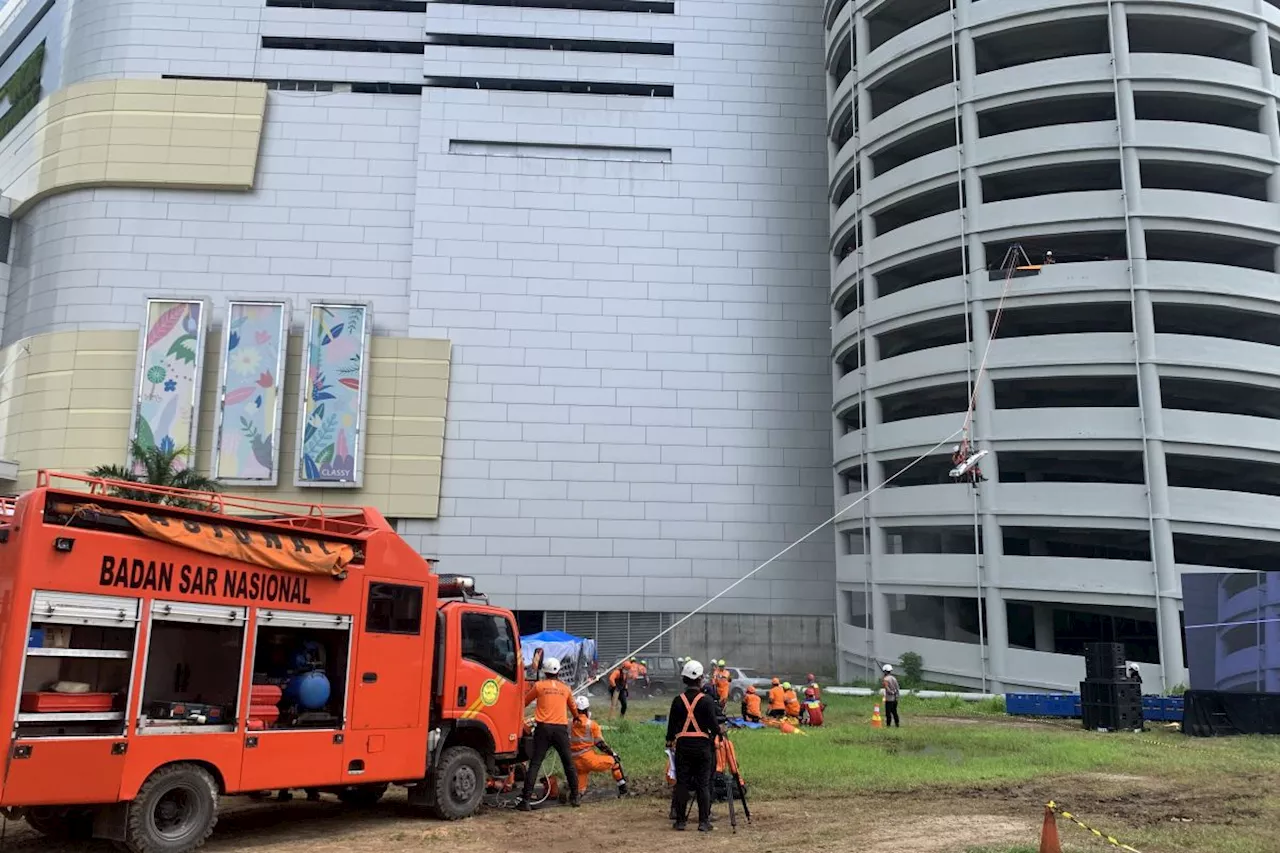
{"x":969,"y":466}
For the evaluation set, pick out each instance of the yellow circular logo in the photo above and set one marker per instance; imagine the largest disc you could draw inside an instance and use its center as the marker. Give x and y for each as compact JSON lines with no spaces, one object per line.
{"x":489,"y":692}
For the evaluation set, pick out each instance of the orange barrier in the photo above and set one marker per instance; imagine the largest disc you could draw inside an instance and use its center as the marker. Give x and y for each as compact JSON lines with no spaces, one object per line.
{"x":1049,"y":842}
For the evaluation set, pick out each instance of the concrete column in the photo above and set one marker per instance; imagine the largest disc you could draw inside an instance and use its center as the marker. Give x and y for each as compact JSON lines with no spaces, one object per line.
{"x":1043,"y":616}
{"x":1261,"y":44}
{"x":1166,"y":588}
{"x":996,"y":621}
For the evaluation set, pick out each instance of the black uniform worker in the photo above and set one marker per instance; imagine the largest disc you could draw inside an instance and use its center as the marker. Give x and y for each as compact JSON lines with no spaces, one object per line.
{"x":691,"y":731}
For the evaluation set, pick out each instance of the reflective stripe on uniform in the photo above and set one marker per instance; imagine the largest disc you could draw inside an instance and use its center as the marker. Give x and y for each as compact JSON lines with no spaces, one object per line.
{"x":691,"y":728}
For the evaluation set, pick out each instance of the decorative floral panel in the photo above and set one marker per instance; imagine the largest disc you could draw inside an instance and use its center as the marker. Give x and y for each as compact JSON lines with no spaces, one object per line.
{"x":166,"y":410}
{"x":331,"y":413}
{"x":255,"y":343}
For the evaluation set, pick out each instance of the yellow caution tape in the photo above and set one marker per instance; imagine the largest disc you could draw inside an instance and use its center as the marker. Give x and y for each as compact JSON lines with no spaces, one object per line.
{"x":1078,"y":822}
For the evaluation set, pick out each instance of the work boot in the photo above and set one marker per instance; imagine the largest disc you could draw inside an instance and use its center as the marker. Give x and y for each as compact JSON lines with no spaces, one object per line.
{"x":622,"y":789}
{"x":575,"y":802}
{"x":680,"y":826}
{"x":524,"y":806}
{"x":705,"y":826}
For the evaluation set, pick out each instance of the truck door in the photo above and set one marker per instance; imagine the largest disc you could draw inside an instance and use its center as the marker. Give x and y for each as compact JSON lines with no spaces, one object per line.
{"x":388,"y":720}
{"x":487,"y":685}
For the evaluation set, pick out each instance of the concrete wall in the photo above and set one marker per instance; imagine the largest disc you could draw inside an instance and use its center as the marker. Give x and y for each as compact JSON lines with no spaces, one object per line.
{"x":783,"y":646}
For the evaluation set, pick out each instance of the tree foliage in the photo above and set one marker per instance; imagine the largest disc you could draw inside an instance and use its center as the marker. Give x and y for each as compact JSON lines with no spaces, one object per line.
{"x":159,"y":468}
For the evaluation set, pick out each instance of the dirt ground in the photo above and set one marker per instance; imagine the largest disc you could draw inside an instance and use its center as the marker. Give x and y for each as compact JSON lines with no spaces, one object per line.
{"x":637,"y":823}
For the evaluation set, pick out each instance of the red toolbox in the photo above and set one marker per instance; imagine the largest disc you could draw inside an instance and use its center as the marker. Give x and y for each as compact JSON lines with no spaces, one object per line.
{"x":264,"y":701}
{"x":67,"y":703}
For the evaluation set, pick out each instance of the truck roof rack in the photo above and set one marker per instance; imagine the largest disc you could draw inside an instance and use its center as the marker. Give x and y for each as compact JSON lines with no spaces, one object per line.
{"x":350,"y":521}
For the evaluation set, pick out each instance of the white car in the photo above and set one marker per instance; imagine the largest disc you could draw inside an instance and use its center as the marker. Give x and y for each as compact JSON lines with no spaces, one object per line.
{"x":744,"y":678}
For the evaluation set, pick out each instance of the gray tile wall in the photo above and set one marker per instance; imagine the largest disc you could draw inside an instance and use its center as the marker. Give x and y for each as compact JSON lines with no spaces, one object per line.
{"x":640,"y":402}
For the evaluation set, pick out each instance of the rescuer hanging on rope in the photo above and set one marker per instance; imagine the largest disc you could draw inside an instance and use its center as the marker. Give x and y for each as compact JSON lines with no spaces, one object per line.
{"x":965,"y":463}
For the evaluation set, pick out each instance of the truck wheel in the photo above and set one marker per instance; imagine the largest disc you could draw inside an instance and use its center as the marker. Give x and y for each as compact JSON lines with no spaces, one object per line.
{"x":657,"y":690}
{"x":59,"y":824}
{"x":457,"y":784}
{"x":174,"y":812}
{"x":362,"y":796}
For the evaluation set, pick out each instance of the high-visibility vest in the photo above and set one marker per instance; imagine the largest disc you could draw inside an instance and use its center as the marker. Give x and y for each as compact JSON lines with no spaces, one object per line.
{"x":691,"y":727}
{"x":582,"y":737}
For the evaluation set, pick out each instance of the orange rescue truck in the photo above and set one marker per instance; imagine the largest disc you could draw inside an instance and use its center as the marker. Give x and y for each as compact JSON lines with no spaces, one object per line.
{"x":154,"y":657}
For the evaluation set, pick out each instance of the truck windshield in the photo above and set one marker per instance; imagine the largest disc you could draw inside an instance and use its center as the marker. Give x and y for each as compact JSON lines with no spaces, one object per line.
{"x":489,"y":641}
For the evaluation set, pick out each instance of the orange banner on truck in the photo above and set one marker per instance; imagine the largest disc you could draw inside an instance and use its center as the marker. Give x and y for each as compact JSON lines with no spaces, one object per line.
{"x":285,"y":552}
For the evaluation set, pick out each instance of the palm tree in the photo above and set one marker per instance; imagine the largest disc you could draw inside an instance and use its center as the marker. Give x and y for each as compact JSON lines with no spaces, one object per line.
{"x":159,"y":468}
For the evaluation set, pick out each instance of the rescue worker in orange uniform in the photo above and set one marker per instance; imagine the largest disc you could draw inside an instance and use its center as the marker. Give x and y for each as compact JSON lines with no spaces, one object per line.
{"x":791,"y":702}
{"x":777,"y":700}
{"x":620,"y":685}
{"x":812,"y":708}
{"x":751,"y":705}
{"x":692,"y":728}
{"x":722,"y":684}
{"x":554,"y":707}
{"x":813,"y":685}
{"x":590,"y":753}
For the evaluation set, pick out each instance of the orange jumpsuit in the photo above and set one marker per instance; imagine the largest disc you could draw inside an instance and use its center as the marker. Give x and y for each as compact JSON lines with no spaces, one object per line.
{"x":751,"y":707}
{"x":584,"y":734}
{"x":791,"y":704}
{"x":777,"y":698}
{"x":722,"y":685}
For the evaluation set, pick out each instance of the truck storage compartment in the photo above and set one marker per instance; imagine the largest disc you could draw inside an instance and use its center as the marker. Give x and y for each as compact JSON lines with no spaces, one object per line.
{"x":304,"y":656}
{"x":193,"y":666}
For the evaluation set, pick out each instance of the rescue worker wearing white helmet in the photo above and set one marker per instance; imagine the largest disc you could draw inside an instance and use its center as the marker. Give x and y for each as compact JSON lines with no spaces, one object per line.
{"x":892,"y":693}
{"x":555,"y":707}
{"x":590,"y":753}
{"x":692,"y":729}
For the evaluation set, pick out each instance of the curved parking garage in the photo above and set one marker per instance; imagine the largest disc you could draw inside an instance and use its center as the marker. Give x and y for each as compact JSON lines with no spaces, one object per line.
{"x":1131,"y":387}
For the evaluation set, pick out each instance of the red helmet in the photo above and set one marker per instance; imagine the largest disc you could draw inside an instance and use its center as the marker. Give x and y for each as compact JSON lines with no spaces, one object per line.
{"x":808,"y":693}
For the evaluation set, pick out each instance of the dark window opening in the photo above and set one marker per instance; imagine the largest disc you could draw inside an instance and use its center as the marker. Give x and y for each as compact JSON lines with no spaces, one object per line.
{"x":846,"y":188}
{"x":845,"y":129}
{"x":1066,"y":392}
{"x":836,"y":9}
{"x":1204,"y":178}
{"x":647,"y":48}
{"x":941,"y":332}
{"x":958,"y":539}
{"x":489,"y":641}
{"x":1226,"y":475}
{"x":1200,"y":248}
{"x":1077,"y":542}
{"x":343,"y":45}
{"x":1041,"y":42}
{"x":850,"y":300}
{"x":363,"y":87}
{"x":394,"y":609}
{"x":895,"y":18}
{"x":1071,"y":319}
{"x":1217,"y":321}
{"x":856,"y":612}
{"x":1103,"y":466}
{"x":849,"y":244}
{"x":1048,"y":180}
{"x":842,"y":61}
{"x":853,"y":358}
{"x":936,"y":137}
{"x":851,"y":483}
{"x":938,"y":617}
{"x":352,"y":5}
{"x":946,"y":264}
{"x":1224,"y":552}
{"x":530,"y":621}
{"x":922,"y":206}
{"x":915,"y":78}
{"x":930,"y":471}
{"x":1067,"y":248}
{"x":569,"y":87}
{"x":854,"y":542}
{"x":924,"y":402}
{"x":1197,"y":109}
{"x":1228,"y":398}
{"x":1025,"y":115}
{"x":1188,"y":36}
{"x":662,"y":7}
{"x":1065,"y":630}
{"x":851,"y":421}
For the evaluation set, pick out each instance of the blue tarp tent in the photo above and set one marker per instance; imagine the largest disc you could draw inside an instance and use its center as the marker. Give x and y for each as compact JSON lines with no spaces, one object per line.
{"x":576,"y":654}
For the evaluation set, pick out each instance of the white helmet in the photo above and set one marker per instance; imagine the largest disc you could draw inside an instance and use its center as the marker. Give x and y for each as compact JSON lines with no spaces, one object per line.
{"x":692,"y":670}
{"x":551,"y":666}
{"x":582,"y":703}
{"x":887,"y":667}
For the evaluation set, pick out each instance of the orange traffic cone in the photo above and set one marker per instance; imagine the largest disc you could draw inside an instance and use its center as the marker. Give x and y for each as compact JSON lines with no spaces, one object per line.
{"x":876,"y":722}
{"x":1049,"y":842}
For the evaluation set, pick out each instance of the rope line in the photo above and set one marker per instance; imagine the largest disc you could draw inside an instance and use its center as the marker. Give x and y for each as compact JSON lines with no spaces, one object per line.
{"x":602,"y":673}
{"x":991,"y":337}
